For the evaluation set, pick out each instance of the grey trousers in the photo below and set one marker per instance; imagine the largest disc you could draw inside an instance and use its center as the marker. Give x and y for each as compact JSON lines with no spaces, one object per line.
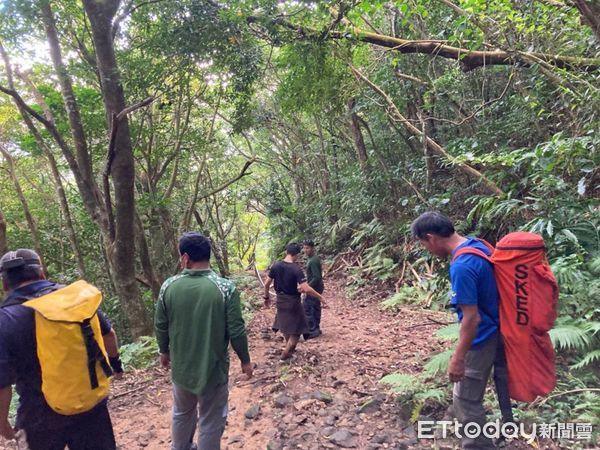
{"x":209,"y":411}
{"x":467,"y":398}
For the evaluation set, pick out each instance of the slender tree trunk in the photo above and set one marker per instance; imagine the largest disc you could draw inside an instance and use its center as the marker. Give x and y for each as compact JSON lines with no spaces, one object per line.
{"x":100,"y":15}
{"x":48,"y":153}
{"x":112,"y":290}
{"x":359,"y":141}
{"x":215,"y":246}
{"x":30,"y":222}
{"x":220,"y":258}
{"x":222,"y":244}
{"x":3,"y":237}
{"x":159,"y":244}
{"x":432,"y":145}
{"x":64,"y":206}
{"x":324,"y":167}
{"x":590,"y":13}
{"x":427,"y":131}
{"x":147,"y":266}
{"x":170,"y":239}
{"x":90,"y":193}
{"x":60,"y":190}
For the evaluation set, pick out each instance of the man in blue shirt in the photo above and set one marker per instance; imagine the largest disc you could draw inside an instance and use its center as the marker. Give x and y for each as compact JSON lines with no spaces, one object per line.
{"x":475,"y":297}
{"x":23,"y":279}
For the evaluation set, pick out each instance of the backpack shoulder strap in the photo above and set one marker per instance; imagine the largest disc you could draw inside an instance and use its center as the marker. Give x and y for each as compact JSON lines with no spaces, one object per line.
{"x":488,"y":245}
{"x":471,"y":251}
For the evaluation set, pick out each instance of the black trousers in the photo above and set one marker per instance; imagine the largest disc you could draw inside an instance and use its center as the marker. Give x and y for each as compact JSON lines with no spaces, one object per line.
{"x":91,"y":431}
{"x":312,"y":311}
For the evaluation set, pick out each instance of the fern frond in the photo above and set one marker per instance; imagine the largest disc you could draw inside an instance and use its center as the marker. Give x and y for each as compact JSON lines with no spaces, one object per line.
{"x":592,"y":327}
{"x":587,"y":359}
{"x":570,"y":337}
{"x":400,"y":382}
{"x":449,"y":332}
{"x":438,"y":363}
{"x":435,"y":394}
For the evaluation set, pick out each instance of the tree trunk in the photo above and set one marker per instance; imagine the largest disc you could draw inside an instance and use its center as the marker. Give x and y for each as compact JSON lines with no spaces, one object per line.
{"x":30,"y":222}
{"x":222,"y":244}
{"x":90,"y":193}
{"x":432,"y":145}
{"x":100,"y":15}
{"x":3,"y":238}
{"x":48,"y":153}
{"x":359,"y":141}
{"x":60,"y":190}
{"x":427,"y":130}
{"x":170,"y":240}
{"x":147,"y":266}
{"x":220,"y":257}
{"x":590,"y":13}
{"x":159,"y":245}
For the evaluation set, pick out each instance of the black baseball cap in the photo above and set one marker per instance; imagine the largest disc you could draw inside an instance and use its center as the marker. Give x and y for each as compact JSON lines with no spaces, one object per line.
{"x":19,"y":258}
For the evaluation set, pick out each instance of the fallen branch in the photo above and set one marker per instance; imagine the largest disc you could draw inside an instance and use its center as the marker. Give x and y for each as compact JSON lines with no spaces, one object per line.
{"x":257,"y":273}
{"x":573,"y":391}
{"x":469,"y":59}
{"x":431,"y":144}
{"x":141,"y":386}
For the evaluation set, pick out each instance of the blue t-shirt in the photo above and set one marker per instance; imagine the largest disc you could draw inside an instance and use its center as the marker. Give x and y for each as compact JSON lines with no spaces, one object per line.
{"x":19,"y":364}
{"x":473,"y":283}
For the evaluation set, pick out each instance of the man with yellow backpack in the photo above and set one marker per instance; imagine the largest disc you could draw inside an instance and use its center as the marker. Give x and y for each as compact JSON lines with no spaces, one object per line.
{"x":59,"y":350}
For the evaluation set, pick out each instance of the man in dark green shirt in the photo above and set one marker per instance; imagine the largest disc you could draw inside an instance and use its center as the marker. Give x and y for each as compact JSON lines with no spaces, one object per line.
{"x":314,"y":277}
{"x":197,"y":314}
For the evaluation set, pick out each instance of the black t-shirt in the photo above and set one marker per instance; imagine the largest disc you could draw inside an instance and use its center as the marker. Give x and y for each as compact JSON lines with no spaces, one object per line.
{"x":287,"y":277}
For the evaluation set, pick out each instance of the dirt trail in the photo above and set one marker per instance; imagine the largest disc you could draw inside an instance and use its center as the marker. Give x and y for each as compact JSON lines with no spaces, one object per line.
{"x":312,"y":401}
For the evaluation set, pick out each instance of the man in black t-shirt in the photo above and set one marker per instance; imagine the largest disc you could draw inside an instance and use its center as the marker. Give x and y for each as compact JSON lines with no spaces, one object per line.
{"x":289,"y":281}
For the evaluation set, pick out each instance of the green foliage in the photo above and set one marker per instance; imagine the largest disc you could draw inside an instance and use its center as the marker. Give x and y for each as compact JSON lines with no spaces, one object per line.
{"x":438,"y":363}
{"x":449,"y":332}
{"x":572,"y":399}
{"x":272,"y":81}
{"x":399,"y":382}
{"x":140,"y":354}
{"x":414,"y":394}
{"x":569,"y":336}
{"x":313,"y":79}
{"x":429,"y":388}
{"x":407,"y":295}
{"x":581,"y":337}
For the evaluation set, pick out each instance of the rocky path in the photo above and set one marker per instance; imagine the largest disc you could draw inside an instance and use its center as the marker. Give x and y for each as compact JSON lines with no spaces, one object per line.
{"x":326,"y":396}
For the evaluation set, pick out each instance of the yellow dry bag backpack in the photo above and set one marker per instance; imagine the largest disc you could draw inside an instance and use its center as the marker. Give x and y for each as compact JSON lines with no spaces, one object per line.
{"x":70,"y":348}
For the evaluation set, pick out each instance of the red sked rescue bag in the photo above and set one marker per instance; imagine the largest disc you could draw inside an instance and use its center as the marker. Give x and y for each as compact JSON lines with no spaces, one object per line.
{"x":528,"y":306}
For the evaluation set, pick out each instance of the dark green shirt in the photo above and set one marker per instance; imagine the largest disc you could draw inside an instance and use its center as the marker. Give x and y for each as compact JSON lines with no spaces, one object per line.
{"x":197,"y":314}
{"x":314,"y":274}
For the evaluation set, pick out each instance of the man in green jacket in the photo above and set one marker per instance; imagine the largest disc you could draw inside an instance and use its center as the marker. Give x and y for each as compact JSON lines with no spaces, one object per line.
{"x":197,"y":314}
{"x":314,"y":278}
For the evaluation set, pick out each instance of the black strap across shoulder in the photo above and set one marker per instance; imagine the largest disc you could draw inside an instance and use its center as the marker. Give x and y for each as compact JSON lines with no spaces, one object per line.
{"x":94,"y":354}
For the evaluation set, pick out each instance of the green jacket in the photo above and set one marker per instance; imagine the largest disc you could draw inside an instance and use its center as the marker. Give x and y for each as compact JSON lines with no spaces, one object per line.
{"x":197,"y":314}
{"x":314,"y":275}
